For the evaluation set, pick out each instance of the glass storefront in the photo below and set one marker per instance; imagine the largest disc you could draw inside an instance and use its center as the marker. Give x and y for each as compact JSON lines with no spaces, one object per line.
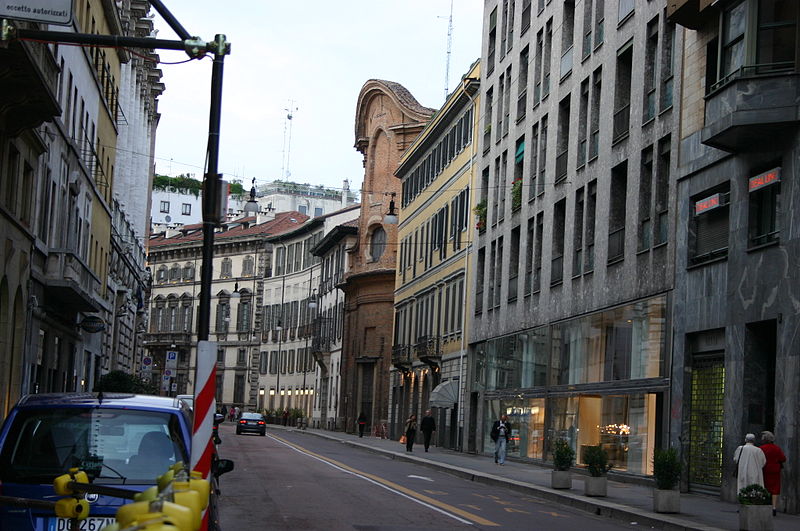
{"x":619,"y":345}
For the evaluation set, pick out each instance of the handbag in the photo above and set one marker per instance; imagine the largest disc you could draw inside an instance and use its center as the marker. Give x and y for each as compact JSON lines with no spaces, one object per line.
{"x":402,"y":439}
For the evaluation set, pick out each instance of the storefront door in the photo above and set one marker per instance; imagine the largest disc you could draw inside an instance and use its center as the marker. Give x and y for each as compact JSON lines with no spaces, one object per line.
{"x":705,"y":447}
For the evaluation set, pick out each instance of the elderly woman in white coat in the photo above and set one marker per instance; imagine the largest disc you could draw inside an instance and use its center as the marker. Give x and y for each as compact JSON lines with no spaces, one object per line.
{"x":750,"y":461}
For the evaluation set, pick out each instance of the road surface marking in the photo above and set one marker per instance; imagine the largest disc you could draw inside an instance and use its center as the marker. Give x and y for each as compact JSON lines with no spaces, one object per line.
{"x":421,"y":477}
{"x":554,"y":514}
{"x":436,"y":492}
{"x":512,"y":510}
{"x":436,"y":505}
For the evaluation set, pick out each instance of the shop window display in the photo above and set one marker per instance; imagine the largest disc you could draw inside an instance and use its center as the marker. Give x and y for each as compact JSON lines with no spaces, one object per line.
{"x":527,"y":418}
{"x":623,"y":425}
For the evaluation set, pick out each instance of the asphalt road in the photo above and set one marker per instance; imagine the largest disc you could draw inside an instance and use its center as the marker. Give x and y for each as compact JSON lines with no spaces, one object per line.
{"x":294,"y":481}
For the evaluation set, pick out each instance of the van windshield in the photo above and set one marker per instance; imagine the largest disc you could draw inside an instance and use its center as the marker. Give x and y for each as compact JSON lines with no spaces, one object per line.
{"x":110,"y":445}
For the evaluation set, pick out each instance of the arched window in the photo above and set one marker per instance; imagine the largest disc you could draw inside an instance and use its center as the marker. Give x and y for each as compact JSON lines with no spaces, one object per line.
{"x":175,"y":273}
{"x":185,"y":313}
{"x":377,"y":244}
{"x":156,"y":324}
{"x":161,"y":274}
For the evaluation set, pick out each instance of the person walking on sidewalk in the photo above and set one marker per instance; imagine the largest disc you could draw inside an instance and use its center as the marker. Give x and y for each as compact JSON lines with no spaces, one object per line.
{"x":772,"y":470}
{"x":411,"y":432}
{"x":428,"y":426}
{"x":749,"y":461}
{"x":501,"y":430}
{"x":362,"y":424}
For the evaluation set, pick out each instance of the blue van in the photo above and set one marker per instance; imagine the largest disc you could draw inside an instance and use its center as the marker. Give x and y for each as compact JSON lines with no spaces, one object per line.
{"x":122,"y":440}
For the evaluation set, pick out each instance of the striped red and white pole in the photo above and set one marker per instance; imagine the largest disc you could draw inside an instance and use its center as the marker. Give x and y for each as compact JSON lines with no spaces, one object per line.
{"x":205,"y":406}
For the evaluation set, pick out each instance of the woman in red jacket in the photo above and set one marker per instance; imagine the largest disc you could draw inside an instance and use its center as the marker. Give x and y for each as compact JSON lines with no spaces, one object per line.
{"x":772,"y":470}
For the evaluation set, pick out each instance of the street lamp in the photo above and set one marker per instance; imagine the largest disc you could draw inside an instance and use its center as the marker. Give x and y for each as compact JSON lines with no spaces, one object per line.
{"x":261,"y":399}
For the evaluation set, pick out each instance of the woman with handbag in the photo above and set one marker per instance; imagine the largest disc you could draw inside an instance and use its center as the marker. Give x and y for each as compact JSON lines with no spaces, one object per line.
{"x":411,"y":432}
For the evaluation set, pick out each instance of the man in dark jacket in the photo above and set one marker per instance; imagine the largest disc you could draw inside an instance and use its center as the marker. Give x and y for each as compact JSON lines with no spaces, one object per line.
{"x":428,"y":426}
{"x":501,"y":431}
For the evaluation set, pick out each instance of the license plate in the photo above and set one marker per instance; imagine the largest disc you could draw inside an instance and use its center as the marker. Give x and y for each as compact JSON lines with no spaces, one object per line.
{"x":93,"y":523}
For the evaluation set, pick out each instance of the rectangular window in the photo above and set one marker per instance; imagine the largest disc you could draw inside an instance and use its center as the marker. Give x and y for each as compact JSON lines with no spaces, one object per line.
{"x":238,"y":389}
{"x":734,"y":23}
{"x":241,"y":356}
{"x":220,"y":355}
{"x":537,"y":69}
{"x":492,"y":274}
{"x":651,"y":46}
{"x":667,"y":67}
{"x":479,"y":281}
{"x":522,"y":86}
{"x":542,"y":155}
{"x":487,"y":119}
{"x":492,"y":42}
{"x":645,"y":199}
{"x":559,"y":226}
{"x":186,"y":209}
{"x":533,"y":168}
{"x":587,"y":29}
{"x":567,"y":37}
{"x":616,"y":214}
{"x":498,"y":279}
{"x":710,"y":225}
{"x":537,"y":258}
{"x":501,"y":101}
{"x":517,"y":184}
{"x":599,"y":16}
{"x":165,"y":207}
{"x":562,"y":148}
{"x":513,"y":265}
{"x":764,"y":206}
{"x":548,"y":50}
{"x":591,"y":210}
{"x":263,"y":362}
{"x":777,"y":35}
{"x":594,"y":124}
{"x":525,"y":21}
{"x":625,"y":9}
{"x":622,"y":91}
{"x":577,"y":234}
{"x":662,"y":191}
{"x":529,"y":246}
{"x":583,"y":117}
{"x":502,"y":191}
{"x":507,"y":102}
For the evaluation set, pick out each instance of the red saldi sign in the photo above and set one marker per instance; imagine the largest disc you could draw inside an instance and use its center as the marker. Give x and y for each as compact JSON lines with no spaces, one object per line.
{"x":765,"y":179}
{"x":707,"y":204}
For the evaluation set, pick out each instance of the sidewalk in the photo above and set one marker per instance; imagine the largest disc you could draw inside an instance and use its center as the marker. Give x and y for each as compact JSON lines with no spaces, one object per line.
{"x":625,"y":501}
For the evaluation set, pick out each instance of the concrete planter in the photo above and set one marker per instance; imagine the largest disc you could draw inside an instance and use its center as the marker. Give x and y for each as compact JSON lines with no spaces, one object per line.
{"x":666,"y":501}
{"x":755,"y":518}
{"x":561,"y":479}
{"x":596,"y":486}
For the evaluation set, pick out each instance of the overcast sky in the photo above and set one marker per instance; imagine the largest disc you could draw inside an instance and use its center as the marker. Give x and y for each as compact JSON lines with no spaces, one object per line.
{"x":318,"y":53}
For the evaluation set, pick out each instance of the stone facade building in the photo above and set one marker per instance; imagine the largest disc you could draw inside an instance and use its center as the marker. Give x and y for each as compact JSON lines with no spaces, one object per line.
{"x":735,"y":356}
{"x":388,"y":118}
{"x":573,"y":265}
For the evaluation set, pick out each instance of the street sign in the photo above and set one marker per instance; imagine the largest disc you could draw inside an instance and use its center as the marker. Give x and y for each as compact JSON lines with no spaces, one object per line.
{"x":147,"y":361}
{"x":93,"y":324}
{"x":174,"y":387}
{"x":57,"y":12}
{"x":167,"y":373}
{"x":172,"y":359}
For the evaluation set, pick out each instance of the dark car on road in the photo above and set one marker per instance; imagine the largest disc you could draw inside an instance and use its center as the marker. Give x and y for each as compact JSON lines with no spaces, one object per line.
{"x":252,"y":423}
{"x":123,"y":440}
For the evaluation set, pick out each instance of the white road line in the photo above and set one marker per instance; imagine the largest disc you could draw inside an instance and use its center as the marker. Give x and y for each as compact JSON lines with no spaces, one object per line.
{"x":429,"y":506}
{"x":421,"y":477}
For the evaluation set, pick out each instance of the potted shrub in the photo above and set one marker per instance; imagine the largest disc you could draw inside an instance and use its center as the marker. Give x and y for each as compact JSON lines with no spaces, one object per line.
{"x":666,"y":472}
{"x":596,"y":460}
{"x":480,"y":211}
{"x":563,"y":454}
{"x":755,"y":509}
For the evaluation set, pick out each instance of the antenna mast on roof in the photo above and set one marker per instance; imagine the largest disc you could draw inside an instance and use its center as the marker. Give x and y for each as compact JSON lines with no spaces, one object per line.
{"x":449,"y":50}
{"x":287,"y":145}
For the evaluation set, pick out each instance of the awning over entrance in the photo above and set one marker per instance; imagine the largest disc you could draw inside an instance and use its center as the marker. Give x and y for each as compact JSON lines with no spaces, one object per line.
{"x":445,"y":394}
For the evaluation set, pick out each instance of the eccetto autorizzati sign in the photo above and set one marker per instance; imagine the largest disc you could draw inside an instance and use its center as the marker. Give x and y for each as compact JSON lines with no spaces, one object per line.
{"x":57,"y":12}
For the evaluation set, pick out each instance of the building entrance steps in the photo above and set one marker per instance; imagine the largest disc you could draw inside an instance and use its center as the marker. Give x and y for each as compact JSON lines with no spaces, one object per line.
{"x":627,"y":502}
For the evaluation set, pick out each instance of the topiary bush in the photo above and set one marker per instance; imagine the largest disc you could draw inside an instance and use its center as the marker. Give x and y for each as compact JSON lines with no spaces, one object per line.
{"x":563,"y":455}
{"x":754,"y":495}
{"x":596,"y":460}
{"x":666,"y":468}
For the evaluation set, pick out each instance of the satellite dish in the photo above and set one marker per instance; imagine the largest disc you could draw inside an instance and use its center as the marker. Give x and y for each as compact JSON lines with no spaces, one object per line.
{"x":167,"y":218}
